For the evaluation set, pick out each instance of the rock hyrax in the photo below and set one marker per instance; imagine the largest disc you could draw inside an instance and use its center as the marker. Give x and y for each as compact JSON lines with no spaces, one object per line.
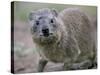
{"x":64,"y":37}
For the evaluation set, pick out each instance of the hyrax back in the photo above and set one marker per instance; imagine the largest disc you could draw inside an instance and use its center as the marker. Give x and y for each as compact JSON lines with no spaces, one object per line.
{"x":65,"y":37}
{"x":79,"y":28}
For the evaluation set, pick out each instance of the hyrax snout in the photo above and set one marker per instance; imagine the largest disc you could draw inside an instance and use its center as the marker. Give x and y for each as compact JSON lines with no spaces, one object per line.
{"x":64,"y":37}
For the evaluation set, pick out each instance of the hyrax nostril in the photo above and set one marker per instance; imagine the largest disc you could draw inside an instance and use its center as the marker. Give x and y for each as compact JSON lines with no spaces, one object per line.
{"x":45,"y":32}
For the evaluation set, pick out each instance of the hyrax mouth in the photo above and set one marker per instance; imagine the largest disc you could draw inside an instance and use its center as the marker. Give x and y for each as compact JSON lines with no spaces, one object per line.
{"x":47,"y":35}
{"x":48,"y":39}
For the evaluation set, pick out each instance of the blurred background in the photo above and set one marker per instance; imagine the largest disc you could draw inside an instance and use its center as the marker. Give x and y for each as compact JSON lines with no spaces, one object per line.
{"x":25,"y":54}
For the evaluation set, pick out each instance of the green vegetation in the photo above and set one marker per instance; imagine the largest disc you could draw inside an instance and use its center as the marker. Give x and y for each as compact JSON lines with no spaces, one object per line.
{"x":22,"y":9}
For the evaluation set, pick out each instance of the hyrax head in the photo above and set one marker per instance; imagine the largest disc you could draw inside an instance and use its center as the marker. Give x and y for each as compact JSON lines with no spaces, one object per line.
{"x":44,"y":26}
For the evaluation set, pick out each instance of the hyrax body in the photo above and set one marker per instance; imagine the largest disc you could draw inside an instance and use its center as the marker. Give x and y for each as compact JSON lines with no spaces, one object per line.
{"x":63,"y":37}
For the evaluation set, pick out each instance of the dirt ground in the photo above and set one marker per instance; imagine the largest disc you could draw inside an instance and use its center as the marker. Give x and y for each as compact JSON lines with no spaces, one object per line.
{"x":25,"y":55}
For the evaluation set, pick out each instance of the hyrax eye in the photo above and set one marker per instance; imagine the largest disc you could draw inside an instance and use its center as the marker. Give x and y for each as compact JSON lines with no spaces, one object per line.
{"x":37,"y":22}
{"x":52,"y":21}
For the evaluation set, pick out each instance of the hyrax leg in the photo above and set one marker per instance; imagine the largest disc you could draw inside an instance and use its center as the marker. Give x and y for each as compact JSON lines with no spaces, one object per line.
{"x":82,"y":65}
{"x":67,"y":66}
{"x":41,"y":65}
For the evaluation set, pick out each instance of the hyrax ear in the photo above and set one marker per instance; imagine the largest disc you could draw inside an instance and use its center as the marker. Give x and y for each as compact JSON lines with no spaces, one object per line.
{"x":55,"y":12}
{"x":31,"y":16}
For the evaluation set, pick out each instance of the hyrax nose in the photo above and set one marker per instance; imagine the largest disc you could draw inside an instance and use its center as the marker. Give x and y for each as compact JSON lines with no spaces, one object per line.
{"x":45,"y":32}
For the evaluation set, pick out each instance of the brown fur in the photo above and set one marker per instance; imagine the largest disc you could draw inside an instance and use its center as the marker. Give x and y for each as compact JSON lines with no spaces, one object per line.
{"x":75,"y":42}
